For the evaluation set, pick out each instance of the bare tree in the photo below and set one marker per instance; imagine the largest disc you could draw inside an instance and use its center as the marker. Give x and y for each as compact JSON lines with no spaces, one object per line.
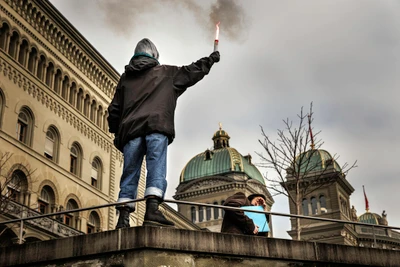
{"x":297,"y":173}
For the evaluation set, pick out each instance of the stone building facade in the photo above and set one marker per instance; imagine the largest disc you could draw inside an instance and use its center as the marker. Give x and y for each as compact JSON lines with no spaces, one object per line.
{"x":329,"y":197}
{"x":54,"y":92}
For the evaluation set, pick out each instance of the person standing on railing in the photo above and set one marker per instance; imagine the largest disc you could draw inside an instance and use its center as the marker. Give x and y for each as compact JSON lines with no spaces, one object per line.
{"x":141,"y":115}
{"x":235,"y":221}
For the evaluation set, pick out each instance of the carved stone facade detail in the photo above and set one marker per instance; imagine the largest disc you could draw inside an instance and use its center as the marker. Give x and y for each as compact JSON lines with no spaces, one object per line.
{"x":47,"y":224}
{"x":53,"y":105}
{"x":54,"y":36}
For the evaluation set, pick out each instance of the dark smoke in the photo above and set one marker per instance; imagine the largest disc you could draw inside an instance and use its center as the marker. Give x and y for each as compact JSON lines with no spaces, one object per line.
{"x":124,"y":16}
{"x":232,"y":18}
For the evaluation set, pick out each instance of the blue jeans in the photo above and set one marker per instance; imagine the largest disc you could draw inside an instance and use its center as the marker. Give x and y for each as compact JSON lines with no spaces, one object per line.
{"x":154,"y":146}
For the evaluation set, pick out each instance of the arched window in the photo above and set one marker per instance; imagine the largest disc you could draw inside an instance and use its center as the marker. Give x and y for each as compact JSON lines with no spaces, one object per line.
{"x":46,"y":200}
{"x":79,"y":100}
{"x":322,"y":204}
{"x":71,"y":218}
{"x":201,"y":214}
{"x":216,"y":211}
{"x":57,"y":81}
{"x":343,"y":206}
{"x":193,"y":214}
{"x":23,"y":52}
{"x":64,"y":88}
{"x":17,"y":186}
{"x":49,"y":75}
{"x":208,"y":213}
{"x":72,"y":94}
{"x":99,"y":117}
{"x":304,"y":205}
{"x":12,"y":49}
{"x":25,"y":126}
{"x":41,"y":68}
{"x":208,"y":155}
{"x":96,"y":173}
{"x":4,"y":32}
{"x":93,"y":111}
{"x":86,"y":105}
{"x":314,"y":207}
{"x":52,"y":144}
{"x":32,"y":60}
{"x":75,"y":159}
{"x":93,"y":225}
{"x":105,"y":122}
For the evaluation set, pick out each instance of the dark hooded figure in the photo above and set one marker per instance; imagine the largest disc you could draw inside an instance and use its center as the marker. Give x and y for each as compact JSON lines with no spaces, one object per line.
{"x":235,"y":221}
{"x":141,"y":115}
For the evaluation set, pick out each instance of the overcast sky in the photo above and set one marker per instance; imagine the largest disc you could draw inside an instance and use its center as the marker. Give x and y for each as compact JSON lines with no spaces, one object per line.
{"x":276,"y":57}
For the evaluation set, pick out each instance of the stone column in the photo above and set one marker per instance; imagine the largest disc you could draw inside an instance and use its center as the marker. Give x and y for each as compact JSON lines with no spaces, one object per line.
{"x":35,"y":66}
{"x":52,"y":77}
{"x":7,"y":41}
{"x":197,"y":214}
{"x":17,"y":48}
{"x":99,"y":121}
{"x":44,"y":73}
{"x":26,"y":58}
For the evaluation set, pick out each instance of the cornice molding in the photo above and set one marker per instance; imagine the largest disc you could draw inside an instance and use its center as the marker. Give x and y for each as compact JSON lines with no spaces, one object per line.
{"x":79,"y":77}
{"x":207,"y":191}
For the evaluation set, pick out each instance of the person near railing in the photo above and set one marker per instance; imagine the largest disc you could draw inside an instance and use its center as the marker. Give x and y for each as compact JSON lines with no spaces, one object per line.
{"x":259,"y":200}
{"x":235,"y":221}
{"x":141,"y":115}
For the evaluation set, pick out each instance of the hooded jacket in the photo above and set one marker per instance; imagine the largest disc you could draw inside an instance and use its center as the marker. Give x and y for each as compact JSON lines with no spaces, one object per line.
{"x":236,"y":222}
{"x":146,"y":95}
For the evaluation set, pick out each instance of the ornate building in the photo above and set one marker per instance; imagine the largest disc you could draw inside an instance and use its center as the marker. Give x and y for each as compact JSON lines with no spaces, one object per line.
{"x":370,"y":236}
{"x":329,"y":197}
{"x":54,"y":92}
{"x":212,"y":176}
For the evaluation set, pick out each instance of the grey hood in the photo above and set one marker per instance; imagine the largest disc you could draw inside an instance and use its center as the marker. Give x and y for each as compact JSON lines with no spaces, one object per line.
{"x":145,"y":57}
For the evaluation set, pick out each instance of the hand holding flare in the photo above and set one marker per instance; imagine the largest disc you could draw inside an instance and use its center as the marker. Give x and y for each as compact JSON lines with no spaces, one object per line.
{"x":216,"y":37}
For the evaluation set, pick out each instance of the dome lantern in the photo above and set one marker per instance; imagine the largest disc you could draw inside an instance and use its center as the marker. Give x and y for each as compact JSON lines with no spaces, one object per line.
{"x":221,"y":138}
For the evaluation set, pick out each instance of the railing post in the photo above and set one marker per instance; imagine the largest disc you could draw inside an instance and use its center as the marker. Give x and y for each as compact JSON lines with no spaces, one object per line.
{"x":21,"y":232}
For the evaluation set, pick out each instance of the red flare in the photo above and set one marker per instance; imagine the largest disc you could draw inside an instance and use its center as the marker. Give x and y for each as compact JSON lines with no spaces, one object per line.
{"x":217,"y":30}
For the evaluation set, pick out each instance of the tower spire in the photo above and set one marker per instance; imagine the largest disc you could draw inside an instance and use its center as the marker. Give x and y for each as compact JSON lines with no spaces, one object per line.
{"x":310,"y":130}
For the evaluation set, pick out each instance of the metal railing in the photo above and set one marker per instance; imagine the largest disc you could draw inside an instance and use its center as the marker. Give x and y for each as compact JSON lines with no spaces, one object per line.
{"x":22,"y":220}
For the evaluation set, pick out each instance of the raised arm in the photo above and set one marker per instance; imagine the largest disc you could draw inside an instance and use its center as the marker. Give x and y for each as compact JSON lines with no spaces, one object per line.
{"x":189,"y":75}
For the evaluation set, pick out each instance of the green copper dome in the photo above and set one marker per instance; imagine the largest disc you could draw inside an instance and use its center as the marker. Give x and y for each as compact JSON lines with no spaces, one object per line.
{"x":222,"y":160}
{"x":315,"y":160}
{"x":369,"y":217}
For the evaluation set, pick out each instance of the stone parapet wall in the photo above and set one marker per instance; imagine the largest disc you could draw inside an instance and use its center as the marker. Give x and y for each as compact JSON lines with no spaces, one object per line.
{"x":156,"y":246}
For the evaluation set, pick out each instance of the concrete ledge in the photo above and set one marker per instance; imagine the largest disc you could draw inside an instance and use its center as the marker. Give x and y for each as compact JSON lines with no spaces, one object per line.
{"x":157,"y":246}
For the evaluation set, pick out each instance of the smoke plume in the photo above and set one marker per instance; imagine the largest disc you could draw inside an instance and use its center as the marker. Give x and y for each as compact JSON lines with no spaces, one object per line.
{"x":232,"y":18}
{"x":124,"y":16}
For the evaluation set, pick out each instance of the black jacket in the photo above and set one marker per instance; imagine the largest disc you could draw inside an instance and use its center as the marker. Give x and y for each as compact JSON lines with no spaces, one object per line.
{"x":236,"y":222}
{"x":146,"y":96}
